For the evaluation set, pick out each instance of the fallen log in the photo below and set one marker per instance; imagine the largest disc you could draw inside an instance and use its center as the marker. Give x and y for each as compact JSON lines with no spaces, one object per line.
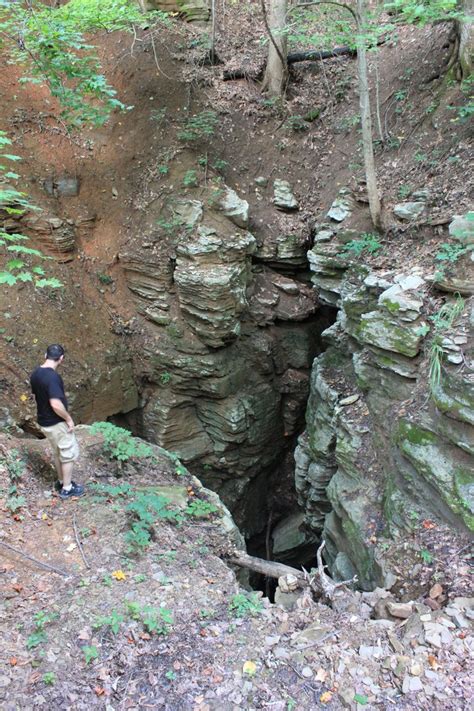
{"x":313,"y":55}
{"x":320,"y":584}
{"x":266,"y":567}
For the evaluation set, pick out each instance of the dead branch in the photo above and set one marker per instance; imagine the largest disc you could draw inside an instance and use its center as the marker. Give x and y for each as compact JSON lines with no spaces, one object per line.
{"x":320,"y":584}
{"x":46,"y":566}
{"x":266,"y":567}
{"x":78,"y":541}
{"x":326,"y":583}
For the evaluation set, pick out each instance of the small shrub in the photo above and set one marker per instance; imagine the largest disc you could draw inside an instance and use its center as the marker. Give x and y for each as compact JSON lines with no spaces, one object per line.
{"x":404,"y":191}
{"x":119,"y":444}
{"x":114,"y":620}
{"x":448,"y":254}
{"x":198,"y":127}
{"x":155,"y":620}
{"x":245,"y":604}
{"x":368,"y":242}
{"x":170,"y":226}
{"x":296,"y":123}
{"x":426,"y":557}
{"x":220,"y":164}
{"x":15,"y":503}
{"x":200,"y":509}
{"x":165,"y":378}
{"x":190,"y":179}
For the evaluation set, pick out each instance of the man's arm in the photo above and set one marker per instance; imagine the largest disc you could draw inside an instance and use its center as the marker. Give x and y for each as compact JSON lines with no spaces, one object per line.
{"x":61,"y":411}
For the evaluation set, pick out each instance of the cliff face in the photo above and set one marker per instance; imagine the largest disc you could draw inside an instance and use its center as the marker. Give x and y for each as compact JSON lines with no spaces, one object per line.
{"x":388,"y":443}
{"x":232,"y":331}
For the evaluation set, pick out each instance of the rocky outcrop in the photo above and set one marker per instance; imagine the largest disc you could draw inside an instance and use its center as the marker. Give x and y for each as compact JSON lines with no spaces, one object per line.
{"x":382,"y":445}
{"x":229,"y":347}
{"x":211,"y":276}
{"x":456,"y":271}
{"x":192,"y":10}
{"x":55,"y":234}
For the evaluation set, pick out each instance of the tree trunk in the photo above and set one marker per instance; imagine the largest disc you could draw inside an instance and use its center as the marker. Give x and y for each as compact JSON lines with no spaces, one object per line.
{"x":366,"y":121}
{"x":276,"y":72}
{"x":465,"y":27}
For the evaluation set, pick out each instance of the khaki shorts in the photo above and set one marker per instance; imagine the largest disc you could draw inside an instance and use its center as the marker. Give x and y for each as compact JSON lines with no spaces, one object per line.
{"x":63,"y":442}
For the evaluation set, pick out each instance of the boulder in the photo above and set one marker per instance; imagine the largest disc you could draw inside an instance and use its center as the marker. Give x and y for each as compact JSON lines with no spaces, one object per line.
{"x":283,"y":197}
{"x":233,"y":207}
{"x":409,"y":211}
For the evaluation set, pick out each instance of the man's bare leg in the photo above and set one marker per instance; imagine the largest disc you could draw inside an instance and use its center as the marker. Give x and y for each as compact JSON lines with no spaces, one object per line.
{"x":58,"y":467}
{"x":67,"y":468}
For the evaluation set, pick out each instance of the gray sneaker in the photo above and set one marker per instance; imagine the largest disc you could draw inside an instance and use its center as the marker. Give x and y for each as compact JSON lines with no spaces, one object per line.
{"x":75,"y":490}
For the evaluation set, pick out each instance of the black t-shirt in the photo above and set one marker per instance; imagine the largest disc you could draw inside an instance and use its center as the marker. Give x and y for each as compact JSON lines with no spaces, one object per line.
{"x":47,"y":384}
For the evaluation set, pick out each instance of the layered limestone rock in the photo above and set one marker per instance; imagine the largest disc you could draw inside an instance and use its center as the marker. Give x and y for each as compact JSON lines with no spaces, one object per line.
{"x":229,"y":345}
{"x":379,"y":448}
{"x":457,"y":275}
{"x":56,"y":235}
{"x":211,"y":275}
{"x":192,"y":10}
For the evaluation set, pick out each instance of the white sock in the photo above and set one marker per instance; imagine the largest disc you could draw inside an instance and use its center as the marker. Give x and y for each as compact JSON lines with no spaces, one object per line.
{"x":67,"y":488}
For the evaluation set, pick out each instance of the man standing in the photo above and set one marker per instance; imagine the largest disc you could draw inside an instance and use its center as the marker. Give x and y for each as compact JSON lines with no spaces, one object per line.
{"x":55,"y":421}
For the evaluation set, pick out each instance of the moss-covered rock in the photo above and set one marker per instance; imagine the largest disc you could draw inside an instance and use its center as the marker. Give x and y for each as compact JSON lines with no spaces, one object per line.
{"x":445,"y":468}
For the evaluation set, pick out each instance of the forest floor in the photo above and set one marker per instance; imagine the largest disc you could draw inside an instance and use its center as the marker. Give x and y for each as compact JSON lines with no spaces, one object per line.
{"x":171,"y":628}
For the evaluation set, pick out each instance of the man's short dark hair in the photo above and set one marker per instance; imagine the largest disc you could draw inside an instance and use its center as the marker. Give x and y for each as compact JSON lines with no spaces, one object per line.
{"x":54,"y":352}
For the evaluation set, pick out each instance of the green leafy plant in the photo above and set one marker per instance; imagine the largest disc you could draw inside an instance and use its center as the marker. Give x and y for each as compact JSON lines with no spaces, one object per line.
{"x":190,"y":179}
{"x":198,"y":127}
{"x":170,"y":226}
{"x":18,"y":269}
{"x":170,"y":675}
{"x":40,"y":620}
{"x":114,"y":620}
{"x":404,"y":191}
{"x":165,"y":378}
{"x":155,"y":620}
{"x":144,"y":510}
{"x":220,"y":164}
{"x":426,"y":556}
{"x":15,"y":503}
{"x":49,"y":678}
{"x":163,"y":169}
{"x":296,"y":123}
{"x":448,"y":254}
{"x":35,"y":639}
{"x":14,"y":465}
{"x":119,"y":444}
{"x":158,"y":115}
{"x":198,"y":508}
{"x":90,"y":653}
{"x":442,"y":321}
{"x":104,"y":278}
{"x":48,"y":41}
{"x":245,"y":604}
{"x":368,"y":243}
